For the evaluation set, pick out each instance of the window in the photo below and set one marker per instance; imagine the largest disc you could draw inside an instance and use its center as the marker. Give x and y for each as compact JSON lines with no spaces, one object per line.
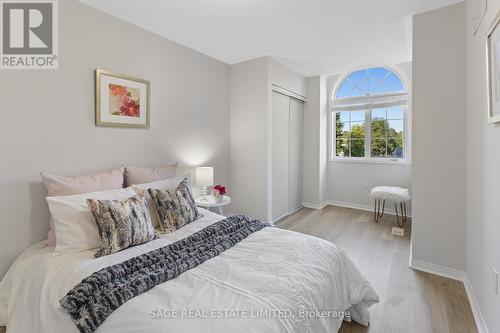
{"x":369,"y":110}
{"x":350,"y":132}
{"x":387,"y":129}
{"x":372,"y":81}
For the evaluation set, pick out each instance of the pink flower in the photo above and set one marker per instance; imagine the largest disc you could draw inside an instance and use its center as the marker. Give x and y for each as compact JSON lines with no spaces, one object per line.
{"x":220,"y":188}
{"x":117,"y":90}
{"x":130,"y":108}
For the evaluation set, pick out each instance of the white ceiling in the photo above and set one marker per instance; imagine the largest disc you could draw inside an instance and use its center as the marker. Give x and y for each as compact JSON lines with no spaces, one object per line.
{"x":310,"y":36}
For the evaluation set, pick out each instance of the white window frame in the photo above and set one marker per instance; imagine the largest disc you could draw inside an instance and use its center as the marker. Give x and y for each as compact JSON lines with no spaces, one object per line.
{"x":366,"y":104}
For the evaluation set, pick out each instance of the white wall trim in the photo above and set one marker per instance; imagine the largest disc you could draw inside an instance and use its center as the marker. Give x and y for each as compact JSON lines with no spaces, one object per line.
{"x":315,"y":205}
{"x":293,"y":210}
{"x":459,"y":275}
{"x":352,"y":205}
{"x":287,"y":214}
{"x":388,"y":210}
{"x":288,"y":92}
{"x":474,"y":304}
{"x":450,"y":273}
{"x":369,"y":160}
{"x":273,"y":222}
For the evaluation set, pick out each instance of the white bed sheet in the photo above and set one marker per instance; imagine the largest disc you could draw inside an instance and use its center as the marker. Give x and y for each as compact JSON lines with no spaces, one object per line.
{"x":269,"y":282}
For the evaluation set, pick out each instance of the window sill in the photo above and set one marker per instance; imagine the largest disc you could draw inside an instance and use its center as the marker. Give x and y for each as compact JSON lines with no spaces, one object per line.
{"x":370,"y":161}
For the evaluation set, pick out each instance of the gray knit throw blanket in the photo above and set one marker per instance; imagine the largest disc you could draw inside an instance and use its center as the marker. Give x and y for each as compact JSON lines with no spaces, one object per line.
{"x":97,"y":296}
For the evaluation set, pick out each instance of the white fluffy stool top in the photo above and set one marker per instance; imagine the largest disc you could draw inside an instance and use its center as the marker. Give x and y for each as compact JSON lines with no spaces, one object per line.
{"x":391,"y":193}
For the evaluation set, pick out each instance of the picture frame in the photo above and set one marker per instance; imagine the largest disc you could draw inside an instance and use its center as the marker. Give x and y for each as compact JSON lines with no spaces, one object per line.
{"x":121,"y":100}
{"x":493,"y":70}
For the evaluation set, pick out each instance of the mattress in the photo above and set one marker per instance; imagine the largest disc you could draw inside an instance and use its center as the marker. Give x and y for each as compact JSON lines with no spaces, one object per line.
{"x":273,"y":281}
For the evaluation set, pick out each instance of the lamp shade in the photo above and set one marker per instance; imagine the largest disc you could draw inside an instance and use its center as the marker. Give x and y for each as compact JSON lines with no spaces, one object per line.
{"x":204,"y":176}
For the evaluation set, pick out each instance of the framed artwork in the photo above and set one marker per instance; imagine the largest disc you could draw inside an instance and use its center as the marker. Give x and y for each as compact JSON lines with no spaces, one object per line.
{"x":493,"y":64}
{"x":121,"y":100}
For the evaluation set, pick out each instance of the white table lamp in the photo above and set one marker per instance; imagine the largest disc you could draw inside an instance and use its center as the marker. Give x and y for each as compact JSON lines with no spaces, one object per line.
{"x":204,"y":178}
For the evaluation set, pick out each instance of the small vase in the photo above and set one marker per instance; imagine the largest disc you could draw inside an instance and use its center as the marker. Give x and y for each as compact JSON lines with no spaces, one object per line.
{"x":218,"y":198}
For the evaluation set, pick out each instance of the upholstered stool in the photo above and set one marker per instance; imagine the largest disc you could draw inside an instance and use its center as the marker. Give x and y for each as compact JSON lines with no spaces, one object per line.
{"x":397,"y":195}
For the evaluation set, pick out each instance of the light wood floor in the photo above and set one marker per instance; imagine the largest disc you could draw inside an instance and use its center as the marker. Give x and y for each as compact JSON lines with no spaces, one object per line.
{"x":410,"y":301}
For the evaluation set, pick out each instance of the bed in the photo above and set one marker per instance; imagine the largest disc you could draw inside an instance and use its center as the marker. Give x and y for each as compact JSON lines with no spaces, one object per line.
{"x":272,"y":281}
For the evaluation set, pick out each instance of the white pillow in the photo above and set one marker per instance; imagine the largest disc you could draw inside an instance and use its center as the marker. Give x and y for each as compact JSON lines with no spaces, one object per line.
{"x":164,"y":185}
{"x":74,"y":224}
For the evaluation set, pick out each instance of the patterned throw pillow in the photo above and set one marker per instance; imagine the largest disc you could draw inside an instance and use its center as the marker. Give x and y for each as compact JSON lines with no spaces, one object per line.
{"x":122,"y":224}
{"x":176,"y":208}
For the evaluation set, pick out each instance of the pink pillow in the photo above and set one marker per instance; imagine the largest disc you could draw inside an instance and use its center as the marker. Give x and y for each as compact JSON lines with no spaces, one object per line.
{"x":101,"y":181}
{"x":140,"y":175}
{"x":59,"y":185}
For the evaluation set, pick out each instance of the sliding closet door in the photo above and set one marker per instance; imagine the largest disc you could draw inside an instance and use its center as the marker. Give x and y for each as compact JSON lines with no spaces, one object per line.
{"x":296,"y":153}
{"x":281,"y":155}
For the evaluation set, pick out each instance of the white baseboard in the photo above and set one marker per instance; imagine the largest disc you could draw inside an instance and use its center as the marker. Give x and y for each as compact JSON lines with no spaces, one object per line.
{"x":459,"y":275}
{"x":352,"y":205}
{"x":285,"y":215}
{"x":450,"y":273}
{"x":474,"y":304}
{"x":345,"y":204}
{"x":295,"y":209}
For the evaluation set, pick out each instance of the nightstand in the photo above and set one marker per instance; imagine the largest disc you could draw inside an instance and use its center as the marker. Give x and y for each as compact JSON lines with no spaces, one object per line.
{"x":208,"y":202}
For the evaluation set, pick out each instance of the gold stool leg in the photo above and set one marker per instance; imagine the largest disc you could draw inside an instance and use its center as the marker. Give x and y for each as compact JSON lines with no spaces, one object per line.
{"x":383,"y":209}
{"x":397,"y":215}
{"x":405,"y":216}
{"x":377,"y":214}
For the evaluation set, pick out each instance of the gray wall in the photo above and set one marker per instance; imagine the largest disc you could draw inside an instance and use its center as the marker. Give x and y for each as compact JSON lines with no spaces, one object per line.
{"x":482,"y":174}
{"x":315,"y":142}
{"x":251,"y":132}
{"x":48,"y":116}
{"x":438,"y":185}
{"x":249,"y":103}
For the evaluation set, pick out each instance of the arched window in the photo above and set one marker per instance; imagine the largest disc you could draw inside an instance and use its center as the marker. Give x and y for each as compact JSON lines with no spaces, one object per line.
{"x":369,"y":109}
{"x":369,"y":82}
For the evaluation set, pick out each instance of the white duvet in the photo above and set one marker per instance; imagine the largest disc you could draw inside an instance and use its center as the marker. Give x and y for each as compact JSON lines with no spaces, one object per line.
{"x":273,"y":281}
